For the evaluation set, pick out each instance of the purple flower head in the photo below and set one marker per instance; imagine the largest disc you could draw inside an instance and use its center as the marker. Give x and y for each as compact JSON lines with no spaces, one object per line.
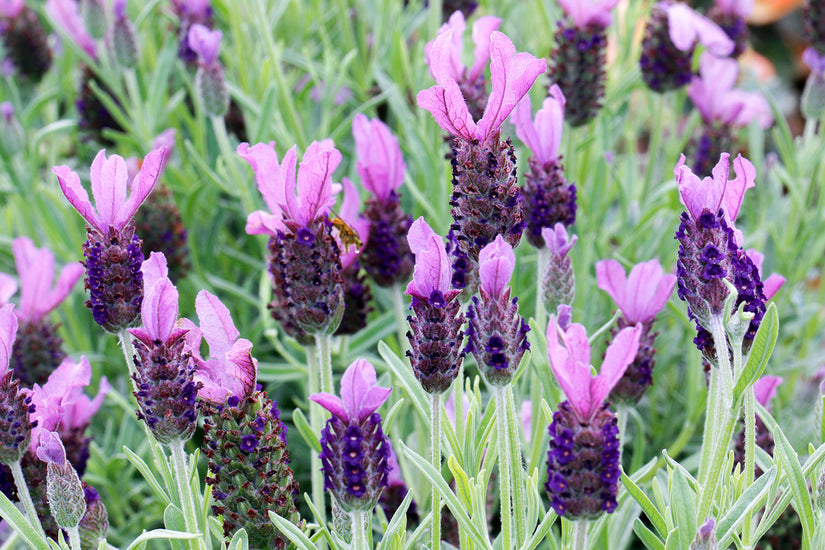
{"x":544,"y":135}
{"x":110,"y":186}
{"x":557,"y":240}
{"x":482,"y":29}
{"x":570,"y":361}
{"x":350,"y":204}
{"x":8,"y":331}
{"x":8,"y":286}
{"x":589,"y":12}
{"x":159,"y":309}
{"x":119,"y":8}
{"x":11,"y":8}
{"x":298,"y":200}
{"x":35,"y":266}
{"x":712,"y":193}
{"x":360,"y":396}
{"x":814,"y":60}
{"x":740,"y":8}
{"x":379,"y":161}
{"x":687,"y":27}
{"x":764,"y":389}
{"x":193,"y":9}
{"x":66,"y":15}
{"x":205,"y":42}
{"x":496,"y":262}
{"x":230,"y":370}
{"x":49,"y":448}
{"x":639,"y":296}
{"x":512,"y":75}
{"x":432,"y":267}
{"x":713,"y":94}
{"x":774,"y":282}
{"x":60,"y":403}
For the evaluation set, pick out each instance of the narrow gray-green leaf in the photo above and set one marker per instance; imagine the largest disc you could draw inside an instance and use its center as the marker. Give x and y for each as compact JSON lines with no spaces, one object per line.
{"x":398,"y":520}
{"x":305,"y":430}
{"x":647,"y":505}
{"x":541,"y":530}
{"x":763,"y":344}
{"x":148,"y":475}
{"x":407,"y":379}
{"x":240,"y":541}
{"x":683,"y":507}
{"x":651,"y":541}
{"x":21,"y":525}
{"x":160,"y":534}
{"x":291,"y":531}
{"x":173,"y":520}
{"x":750,"y":499}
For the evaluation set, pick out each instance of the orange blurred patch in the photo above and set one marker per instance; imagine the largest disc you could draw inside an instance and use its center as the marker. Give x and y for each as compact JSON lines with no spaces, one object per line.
{"x":768,"y":11}
{"x":758,"y":65}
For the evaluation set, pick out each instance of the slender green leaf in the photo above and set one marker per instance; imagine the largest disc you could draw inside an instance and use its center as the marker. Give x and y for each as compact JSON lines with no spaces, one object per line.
{"x":173,"y":520}
{"x":391,"y":414}
{"x":397,"y":524}
{"x":155,"y":534}
{"x":291,"y":531}
{"x":405,"y":375}
{"x":761,"y":350}
{"x":541,"y":530}
{"x":21,"y":525}
{"x":648,"y":507}
{"x":683,"y":507}
{"x":301,"y":422}
{"x":673,"y":541}
{"x":651,"y":541}
{"x":750,"y":499}
{"x":240,"y":540}
{"x":147,"y":474}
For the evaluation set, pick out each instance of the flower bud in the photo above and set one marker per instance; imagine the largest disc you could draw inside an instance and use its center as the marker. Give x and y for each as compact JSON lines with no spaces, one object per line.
{"x":64,"y":491}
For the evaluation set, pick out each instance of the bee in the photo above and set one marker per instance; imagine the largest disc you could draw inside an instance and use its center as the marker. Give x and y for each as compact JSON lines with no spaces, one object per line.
{"x":348,"y":235}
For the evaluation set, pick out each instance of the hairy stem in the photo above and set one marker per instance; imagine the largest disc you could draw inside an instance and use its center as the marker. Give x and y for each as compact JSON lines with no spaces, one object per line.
{"x":25,"y":497}
{"x":435,"y":460}
{"x":504,"y":469}
{"x":74,"y":537}
{"x":359,"y":529}
{"x":580,"y":534}
{"x":516,"y":468}
{"x":181,"y":472}
{"x":316,"y":421}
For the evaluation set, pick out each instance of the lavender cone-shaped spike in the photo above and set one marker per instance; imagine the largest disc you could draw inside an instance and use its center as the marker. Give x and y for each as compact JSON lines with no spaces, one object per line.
{"x":25,"y":40}
{"x":15,"y":406}
{"x":764,"y":390}
{"x":305,"y":260}
{"x":583,"y":460}
{"x":435,"y":328}
{"x":496,"y":333}
{"x":723,"y":110}
{"x":191,"y":12}
{"x":558,"y":285}
{"x":37,"y":348}
{"x":112,"y":251}
{"x":671,"y":34}
{"x":354,"y":450}
{"x":485,"y":199}
{"x":577,"y":63}
{"x":244,"y":441}
{"x":386,"y":255}
{"x":710,"y":249}
{"x":95,"y":523}
{"x":814,"y":16}
{"x":124,"y":38}
{"x":357,"y":294}
{"x":209,"y":80}
{"x":731,"y":16}
{"x":164,"y":369}
{"x":548,"y":199}
{"x":640,"y":296}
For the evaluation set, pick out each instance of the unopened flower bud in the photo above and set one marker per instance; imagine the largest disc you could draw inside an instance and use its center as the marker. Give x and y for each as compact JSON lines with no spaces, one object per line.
{"x":63,"y":489}
{"x":705,"y":536}
{"x":94,"y":17}
{"x":124,"y":38}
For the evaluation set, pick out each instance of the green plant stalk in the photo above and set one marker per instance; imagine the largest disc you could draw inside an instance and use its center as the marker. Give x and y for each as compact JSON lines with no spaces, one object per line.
{"x":323,"y":343}
{"x":181,"y":473}
{"x":579,"y":534}
{"x":542,"y":258}
{"x":74,"y":537}
{"x":230,"y":158}
{"x":128,"y":351}
{"x":505,"y":476}
{"x":750,"y":461}
{"x":359,"y":530}
{"x":516,"y":467}
{"x":435,"y":460}
{"x":316,"y":420}
{"x":25,"y":497}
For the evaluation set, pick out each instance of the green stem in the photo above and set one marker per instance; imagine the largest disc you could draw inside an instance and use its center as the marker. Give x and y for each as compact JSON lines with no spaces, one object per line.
{"x":541,"y":267}
{"x":128,"y":351}
{"x":181,"y":472}
{"x":359,"y":529}
{"x":25,"y":497}
{"x":316,"y":420}
{"x":323,"y":343}
{"x":74,"y":537}
{"x":516,"y":467}
{"x":399,"y":307}
{"x":750,"y":459}
{"x":230,"y":158}
{"x":580,"y":534}
{"x":435,"y":460}
{"x":504,"y":469}
{"x":622,"y":415}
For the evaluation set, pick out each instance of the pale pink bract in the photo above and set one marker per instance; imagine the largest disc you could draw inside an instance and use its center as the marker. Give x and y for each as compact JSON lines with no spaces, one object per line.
{"x":642,"y":294}
{"x":543,"y":136}
{"x":360,"y":394}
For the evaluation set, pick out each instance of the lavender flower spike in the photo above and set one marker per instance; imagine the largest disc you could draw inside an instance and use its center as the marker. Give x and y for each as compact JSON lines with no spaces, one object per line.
{"x":357,"y":294}
{"x":164,"y":369}
{"x":354,"y":450}
{"x":435,"y":328}
{"x":773,"y":282}
{"x":583,"y":461}
{"x":548,"y":199}
{"x":558,"y":284}
{"x":639,"y":297}
{"x":209,"y":79}
{"x":496,"y":333}
{"x":230,"y":371}
{"x":37,"y":350}
{"x":15,"y":423}
{"x":112,"y":251}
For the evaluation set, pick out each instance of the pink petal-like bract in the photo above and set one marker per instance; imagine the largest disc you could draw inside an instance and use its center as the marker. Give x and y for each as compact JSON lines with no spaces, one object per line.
{"x":496,"y":262}
{"x":432,"y":267}
{"x":379,"y":161}
{"x":482,"y":30}
{"x":543,"y":136}
{"x":66,"y":15}
{"x":8,"y":332}
{"x":205,"y":42}
{"x":35,"y":266}
{"x":359,"y":391}
{"x":8,"y":286}
{"x":589,"y":12}
{"x":641,"y":295}
{"x":764,"y":389}
{"x":712,"y":193}
{"x":687,"y":27}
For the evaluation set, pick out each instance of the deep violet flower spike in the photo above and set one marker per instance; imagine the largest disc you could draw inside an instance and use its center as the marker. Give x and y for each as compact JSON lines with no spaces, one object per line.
{"x":354,"y":450}
{"x":559,"y":281}
{"x":231,"y":370}
{"x":244,"y":438}
{"x":731,"y":16}
{"x":15,"y":422}
{"x":164,"y":368}
{"x":582,"y":463}
{"x":435,"y":327}
{"x":496,"y":333}
{"x":25,"y":40}
{"x":209,"y":80}
{"x":112,"y":251}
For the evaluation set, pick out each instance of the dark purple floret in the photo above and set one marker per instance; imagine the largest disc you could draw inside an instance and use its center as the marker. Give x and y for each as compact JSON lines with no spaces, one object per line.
{"x":548,"y":199}
{"x":463,"y":274}
{"x":37,"y":352}
{"x":26,"y":44}
{"x":583,"y":463}
{"x":160,"y":226}
{"x":486,"y":201}
{"x":705,"y":150}
{"x":435,"y":341}
{"x":93,"y":116}
{"x":250,"y":473}
{"x":355,"y":459}
{"x":639,"y":374}
{"x":814,"y":16}
{"x":167,"y":393}
{"x":734,"y":26}
{"x":496,"y":336}
{"x":113,"y":277}
{"x":386,"y":255}
{"x":15,"y":426}
{"x":664,"y":66}
{"x":577,"y":65}
{"x":357,"y":298}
